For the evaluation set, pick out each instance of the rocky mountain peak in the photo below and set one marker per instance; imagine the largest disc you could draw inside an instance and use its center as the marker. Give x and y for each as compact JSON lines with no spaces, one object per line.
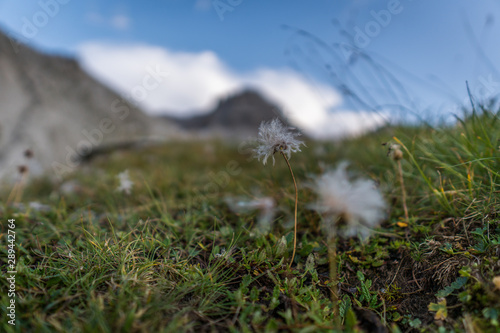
{"x":236,"y":115}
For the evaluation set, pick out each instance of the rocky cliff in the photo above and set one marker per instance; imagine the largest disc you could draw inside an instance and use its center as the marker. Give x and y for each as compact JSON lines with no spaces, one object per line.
{"x":50,"y":106}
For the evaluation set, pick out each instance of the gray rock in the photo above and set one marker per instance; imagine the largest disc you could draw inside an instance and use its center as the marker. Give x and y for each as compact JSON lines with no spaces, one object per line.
{"x":239,"y":115}
{"x":49,"y":105}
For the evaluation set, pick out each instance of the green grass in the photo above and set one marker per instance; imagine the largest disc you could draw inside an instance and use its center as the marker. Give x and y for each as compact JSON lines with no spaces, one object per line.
{"x":172,"y":257}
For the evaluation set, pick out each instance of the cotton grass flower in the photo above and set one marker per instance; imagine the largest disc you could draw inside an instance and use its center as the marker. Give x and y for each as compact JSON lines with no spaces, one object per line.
{"x":358,"y":203}
{"x":266,"y":206}
{"x":125,"y":183}
{"x":275,"y":137}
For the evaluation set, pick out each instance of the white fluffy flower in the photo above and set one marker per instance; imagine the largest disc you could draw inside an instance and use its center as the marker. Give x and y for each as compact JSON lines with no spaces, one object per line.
{"x":275,"y":137}
{"x":125,"y":183}
{"x":266,"y":207}
{"x":358,"y":203}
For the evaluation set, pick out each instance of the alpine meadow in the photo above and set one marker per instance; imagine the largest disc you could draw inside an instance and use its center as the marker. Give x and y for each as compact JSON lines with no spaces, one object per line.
{"x":393,"y":231}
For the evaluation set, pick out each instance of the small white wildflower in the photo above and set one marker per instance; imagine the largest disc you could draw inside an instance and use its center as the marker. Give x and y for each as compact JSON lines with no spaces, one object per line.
{"x":275,"y":137}
{"x":266,"y":207}
{"x":70,"y":187}
{"x":359,"y":203}
{"x":125,"y":183}
{"x":36,"y":206}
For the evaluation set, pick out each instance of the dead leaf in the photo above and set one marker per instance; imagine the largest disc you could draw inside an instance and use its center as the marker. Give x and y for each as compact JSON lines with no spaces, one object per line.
{"x":440,"y":309}
{"x":496,"y":282}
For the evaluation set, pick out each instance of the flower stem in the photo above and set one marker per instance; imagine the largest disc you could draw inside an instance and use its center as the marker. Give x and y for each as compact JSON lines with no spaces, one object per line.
{"x":296,"y":202}
{"x":17,"y":191}
{"x":401,"y":181}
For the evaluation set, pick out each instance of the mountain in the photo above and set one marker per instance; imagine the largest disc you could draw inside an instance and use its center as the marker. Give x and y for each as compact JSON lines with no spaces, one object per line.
{"x":237,"y":115}
{"x":54,"y":109}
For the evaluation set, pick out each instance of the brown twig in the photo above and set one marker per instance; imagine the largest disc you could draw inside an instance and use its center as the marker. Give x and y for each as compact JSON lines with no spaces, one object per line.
{"x":397,"y":271}
{"x":415,"y":279}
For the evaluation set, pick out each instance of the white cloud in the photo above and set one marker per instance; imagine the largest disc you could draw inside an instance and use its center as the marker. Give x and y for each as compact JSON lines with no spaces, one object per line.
{"x":191,"y":82}
{"x":348,"y":123}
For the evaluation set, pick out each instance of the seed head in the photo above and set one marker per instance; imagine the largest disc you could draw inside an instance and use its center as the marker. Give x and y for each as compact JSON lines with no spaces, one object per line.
{"x":358,"y":203}
{"x":22,"y":169}
{"x":394,"y":151}
{"x":275,"y":137}
{"x":265,"y":205}
{"x":126,"y":184}
{"x":28,"y":153}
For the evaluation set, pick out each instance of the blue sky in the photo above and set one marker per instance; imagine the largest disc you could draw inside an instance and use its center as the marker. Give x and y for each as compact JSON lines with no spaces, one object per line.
{"x":411,"y":53}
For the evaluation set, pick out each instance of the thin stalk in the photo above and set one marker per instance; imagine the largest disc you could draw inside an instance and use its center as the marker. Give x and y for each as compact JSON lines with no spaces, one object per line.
{"x":20,"y":189}
{"x":17,"y":191}
{"x":296,"y":202}
{"x":401,"y":181}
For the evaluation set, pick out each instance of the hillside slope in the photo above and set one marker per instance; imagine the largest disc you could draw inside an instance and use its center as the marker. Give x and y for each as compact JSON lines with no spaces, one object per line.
{"x":52,"y":107}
